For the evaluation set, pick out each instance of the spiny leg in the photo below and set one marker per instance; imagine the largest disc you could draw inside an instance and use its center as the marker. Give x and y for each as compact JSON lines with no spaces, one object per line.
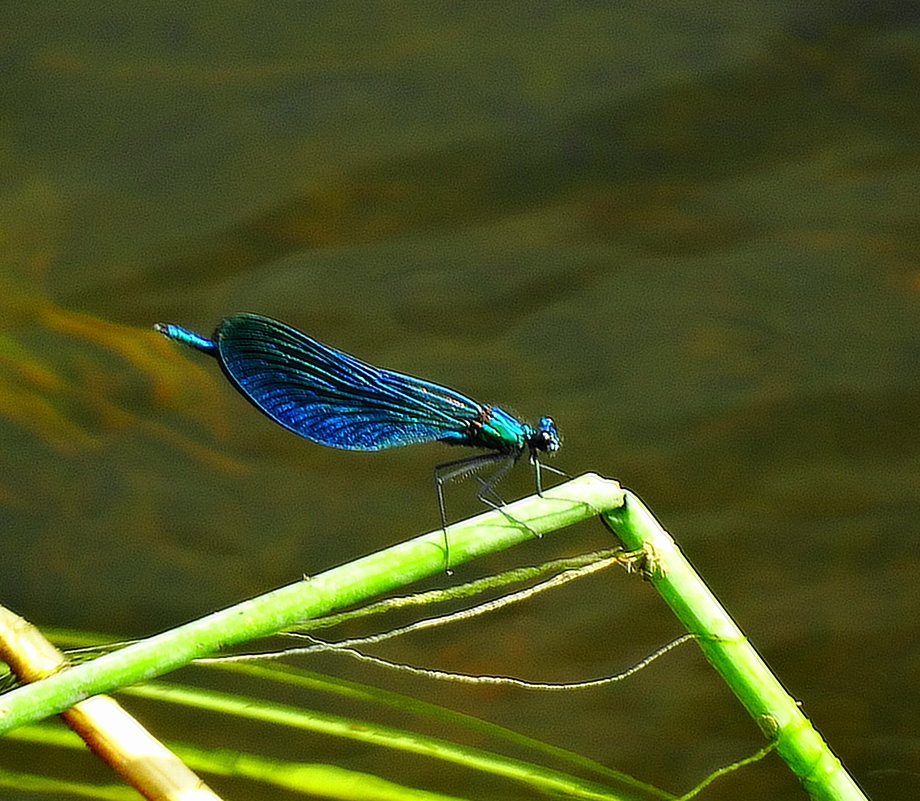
{"x":459,"y":467}
{"x":488,"y":487}
{"x":538,"y":467}
{"x":449,"y":470}
{"x":555,"y":470}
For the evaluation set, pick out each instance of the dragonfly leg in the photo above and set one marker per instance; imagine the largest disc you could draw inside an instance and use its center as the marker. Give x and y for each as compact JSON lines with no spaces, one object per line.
{"x":538,"y":468}
{"x":449,"y":470}
{"x":487,"y":493}
{"x":555,"y":470}
{"x":487,"y":485}
{"x":488,"y":488}
{"x":460,"y":467}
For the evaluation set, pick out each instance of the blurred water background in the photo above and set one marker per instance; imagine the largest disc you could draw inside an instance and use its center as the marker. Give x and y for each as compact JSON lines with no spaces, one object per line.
{"x":689,"y":232}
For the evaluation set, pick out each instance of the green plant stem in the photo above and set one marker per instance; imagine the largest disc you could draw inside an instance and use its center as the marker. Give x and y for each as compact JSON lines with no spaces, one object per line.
{"x":335,"y":589}
{"x":720,"y":639}
{"x":728,"y":650}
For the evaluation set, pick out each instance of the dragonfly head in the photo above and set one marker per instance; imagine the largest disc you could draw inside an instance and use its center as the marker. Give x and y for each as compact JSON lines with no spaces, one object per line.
{"x":545,"y":437}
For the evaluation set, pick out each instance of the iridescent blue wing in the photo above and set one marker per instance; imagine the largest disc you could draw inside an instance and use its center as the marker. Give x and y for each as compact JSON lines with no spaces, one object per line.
{"x":332,"y":398}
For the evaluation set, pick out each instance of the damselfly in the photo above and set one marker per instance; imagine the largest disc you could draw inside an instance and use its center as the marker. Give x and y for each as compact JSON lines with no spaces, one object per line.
{"x":332,"y":398}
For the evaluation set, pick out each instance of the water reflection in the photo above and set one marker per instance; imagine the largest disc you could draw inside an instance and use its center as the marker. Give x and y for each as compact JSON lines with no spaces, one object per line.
{"x":689,"y":234}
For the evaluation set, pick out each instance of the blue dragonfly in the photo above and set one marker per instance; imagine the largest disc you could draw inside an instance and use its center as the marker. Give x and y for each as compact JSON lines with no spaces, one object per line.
{"x":334,"y":399}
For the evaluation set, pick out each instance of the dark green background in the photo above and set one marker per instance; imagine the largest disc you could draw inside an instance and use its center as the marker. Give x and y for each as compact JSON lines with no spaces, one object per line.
{"x":687,"y":231}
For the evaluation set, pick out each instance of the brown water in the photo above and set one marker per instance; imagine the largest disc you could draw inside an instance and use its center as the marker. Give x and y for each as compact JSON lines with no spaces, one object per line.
{"x":689,"y":233}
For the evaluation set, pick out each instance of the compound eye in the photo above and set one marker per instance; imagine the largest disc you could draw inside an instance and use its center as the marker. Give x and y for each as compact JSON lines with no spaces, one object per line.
{"x":545,"y":437}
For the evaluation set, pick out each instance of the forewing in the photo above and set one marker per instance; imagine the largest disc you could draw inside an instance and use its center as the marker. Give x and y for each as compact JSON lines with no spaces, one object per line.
{"x":330,"y":397}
